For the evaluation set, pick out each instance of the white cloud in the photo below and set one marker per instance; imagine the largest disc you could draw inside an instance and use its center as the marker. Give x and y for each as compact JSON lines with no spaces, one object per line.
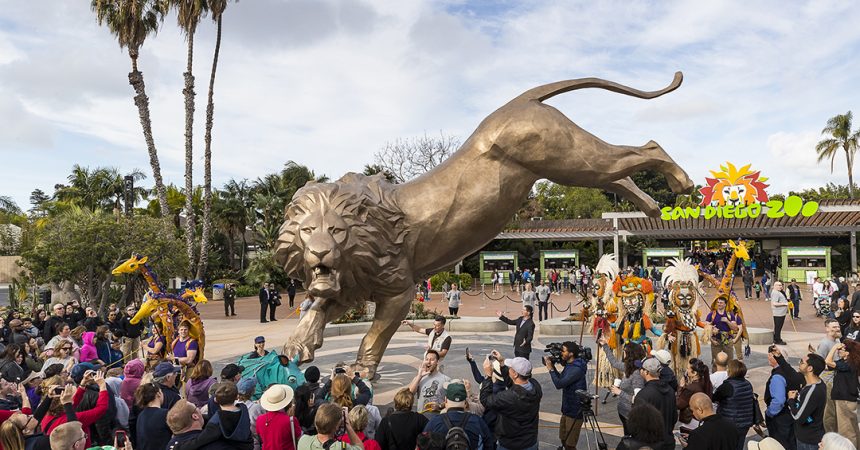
{"x":327,"y":83}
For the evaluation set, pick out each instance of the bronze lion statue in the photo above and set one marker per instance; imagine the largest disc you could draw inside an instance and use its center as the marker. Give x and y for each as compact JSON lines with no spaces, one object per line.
{"x":364,"y":239}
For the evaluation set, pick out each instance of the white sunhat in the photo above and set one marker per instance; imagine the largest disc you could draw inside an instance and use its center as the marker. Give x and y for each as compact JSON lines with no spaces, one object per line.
{"x":767,"y":443}
{"x":277,"y":397}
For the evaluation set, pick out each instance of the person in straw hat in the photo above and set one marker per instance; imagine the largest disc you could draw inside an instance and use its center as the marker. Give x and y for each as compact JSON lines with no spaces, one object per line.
{"x":277,"y":428}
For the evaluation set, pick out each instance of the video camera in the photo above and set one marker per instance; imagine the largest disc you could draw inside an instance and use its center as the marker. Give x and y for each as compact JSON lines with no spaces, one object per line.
{"x":554,"y":350}
{"x":585,"y":398}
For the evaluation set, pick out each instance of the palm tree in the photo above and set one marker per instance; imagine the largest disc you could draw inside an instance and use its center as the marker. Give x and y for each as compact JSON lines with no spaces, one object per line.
{"x":839,"y":127}
{"x":132,"y":21}
{"x":189,"y":14}
{"x":235,"y":212}
{"x":8,"y":207}
{"x":87,"y":189}
{"x":217,"y":7}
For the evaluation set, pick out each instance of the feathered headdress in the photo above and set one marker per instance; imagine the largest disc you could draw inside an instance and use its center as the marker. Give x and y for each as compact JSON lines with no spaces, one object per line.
{"x":608,"y":266}
{"x":681,"y":271}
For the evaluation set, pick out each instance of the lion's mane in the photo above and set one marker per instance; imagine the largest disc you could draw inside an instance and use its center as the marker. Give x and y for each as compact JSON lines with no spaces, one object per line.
{"x":373,"y":261}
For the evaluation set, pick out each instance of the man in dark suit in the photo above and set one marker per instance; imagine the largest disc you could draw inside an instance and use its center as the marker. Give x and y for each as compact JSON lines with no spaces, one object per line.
{"x":264,"y":302}
{"x":525,"y":331}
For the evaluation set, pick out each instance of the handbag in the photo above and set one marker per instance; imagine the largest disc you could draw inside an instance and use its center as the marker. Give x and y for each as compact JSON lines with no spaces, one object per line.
{"x":758,"y":417}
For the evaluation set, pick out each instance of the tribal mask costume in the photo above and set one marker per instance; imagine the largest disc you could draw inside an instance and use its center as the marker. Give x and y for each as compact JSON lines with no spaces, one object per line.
{"x":634,"y":296}
{"x":681,"y":278}
{"x":604,"y":312}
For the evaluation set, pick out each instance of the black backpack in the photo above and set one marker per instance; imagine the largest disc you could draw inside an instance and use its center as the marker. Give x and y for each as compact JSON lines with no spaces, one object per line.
{"x":456,"y":437}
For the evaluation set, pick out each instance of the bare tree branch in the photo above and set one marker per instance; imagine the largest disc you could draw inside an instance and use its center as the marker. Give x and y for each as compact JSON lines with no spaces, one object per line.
{"x":406,"y":159}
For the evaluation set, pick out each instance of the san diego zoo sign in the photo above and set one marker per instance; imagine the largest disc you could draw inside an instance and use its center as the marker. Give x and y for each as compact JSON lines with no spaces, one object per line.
{"x":738,"y":193}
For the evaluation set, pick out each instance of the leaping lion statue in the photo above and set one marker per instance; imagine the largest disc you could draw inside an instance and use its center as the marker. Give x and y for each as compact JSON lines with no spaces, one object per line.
{"x":361,"y":238}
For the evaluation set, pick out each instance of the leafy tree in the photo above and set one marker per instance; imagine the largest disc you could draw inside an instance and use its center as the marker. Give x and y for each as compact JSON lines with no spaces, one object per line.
{"x":132,"y":21}
{"x":831,"y":191}
{"x":405,"y":159}
{"x":38,"y":198}
{"x":563,"y":202}
{"x":82,"y":247}
{"x":263,"y":268}
{"x":10,"y":239}
{"x":842,"y":138}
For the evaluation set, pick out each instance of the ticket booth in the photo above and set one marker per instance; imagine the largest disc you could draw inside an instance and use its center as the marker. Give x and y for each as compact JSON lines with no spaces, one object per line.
{"x":503,"y":262}
{"x":560,"y":260}
{"x":804,"y":263}
{"x":659,"y":257}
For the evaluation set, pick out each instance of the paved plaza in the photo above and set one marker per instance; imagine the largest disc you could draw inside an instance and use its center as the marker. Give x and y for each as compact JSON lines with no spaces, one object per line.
{"x":229,"y":337}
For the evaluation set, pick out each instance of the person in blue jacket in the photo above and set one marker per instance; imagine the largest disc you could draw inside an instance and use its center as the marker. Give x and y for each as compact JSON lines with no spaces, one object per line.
{"x":571,"y":379}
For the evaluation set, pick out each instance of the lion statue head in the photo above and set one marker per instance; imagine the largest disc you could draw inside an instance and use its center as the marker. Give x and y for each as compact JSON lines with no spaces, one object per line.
{"x":342,"y":240}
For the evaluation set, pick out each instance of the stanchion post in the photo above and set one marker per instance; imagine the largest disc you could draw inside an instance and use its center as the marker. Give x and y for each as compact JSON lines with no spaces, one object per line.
{"x":483,"y":296}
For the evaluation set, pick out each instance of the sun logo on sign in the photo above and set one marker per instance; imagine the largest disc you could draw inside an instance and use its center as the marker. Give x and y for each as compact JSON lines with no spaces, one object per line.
{"x":735,"y":187}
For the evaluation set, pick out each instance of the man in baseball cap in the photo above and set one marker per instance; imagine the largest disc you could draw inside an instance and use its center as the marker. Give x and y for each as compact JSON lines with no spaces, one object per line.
{"x":667,"y":375}
{"x":164,"y":375}
{"x":457,"y":415}
{"x":659,"y":395}
{"x":517,"y":406}
{"x":232,"y":372}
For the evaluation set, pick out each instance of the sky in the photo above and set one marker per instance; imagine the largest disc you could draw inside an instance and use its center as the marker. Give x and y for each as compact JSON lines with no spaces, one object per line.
{"x":327,"y":83}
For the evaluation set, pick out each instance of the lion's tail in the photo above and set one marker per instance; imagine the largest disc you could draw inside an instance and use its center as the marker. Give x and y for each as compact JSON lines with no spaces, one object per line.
{"x":547,"y":91}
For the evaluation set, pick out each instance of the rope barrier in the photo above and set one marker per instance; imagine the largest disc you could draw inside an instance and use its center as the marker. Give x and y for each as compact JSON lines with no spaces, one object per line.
{"x":568,"y":309}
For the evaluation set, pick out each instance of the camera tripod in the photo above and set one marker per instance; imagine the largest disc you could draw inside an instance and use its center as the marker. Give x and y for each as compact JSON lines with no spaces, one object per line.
{"x":592,"y":427}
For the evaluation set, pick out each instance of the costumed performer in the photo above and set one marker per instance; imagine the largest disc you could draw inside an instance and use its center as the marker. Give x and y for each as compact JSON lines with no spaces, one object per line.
{"x":726,"y":318}
{"x":635,"y":295}
{"x":681,"y":279}
{"x":604,"y":312}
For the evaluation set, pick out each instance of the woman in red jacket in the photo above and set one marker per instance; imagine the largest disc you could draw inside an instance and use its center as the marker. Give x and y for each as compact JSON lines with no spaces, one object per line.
{"x":56,"y":416}
{"x":278,"y":430}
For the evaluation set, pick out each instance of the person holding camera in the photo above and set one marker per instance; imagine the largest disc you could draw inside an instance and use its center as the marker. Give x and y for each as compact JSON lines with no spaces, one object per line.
{"x":659,"y":395}
{"x":570,"y":380}
{"x":518,"y":406}
{"x":328,"y":420}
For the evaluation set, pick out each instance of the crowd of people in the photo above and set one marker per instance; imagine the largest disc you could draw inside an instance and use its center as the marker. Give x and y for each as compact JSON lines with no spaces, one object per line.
{"x":73,"y":379}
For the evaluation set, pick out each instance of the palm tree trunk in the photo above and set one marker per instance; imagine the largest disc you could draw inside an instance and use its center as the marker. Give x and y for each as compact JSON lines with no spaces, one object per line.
{"x":189,"y":156}
{"x":850,"y":161}
{"x":135,"y":78}
{"x":207,"y":165}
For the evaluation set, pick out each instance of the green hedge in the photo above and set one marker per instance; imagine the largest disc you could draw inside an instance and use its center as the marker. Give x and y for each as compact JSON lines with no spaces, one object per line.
{"x":464,"y":280}
{"x":247,"y":291}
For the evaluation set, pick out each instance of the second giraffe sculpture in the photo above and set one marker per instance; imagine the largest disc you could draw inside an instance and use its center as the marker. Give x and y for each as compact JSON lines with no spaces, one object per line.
{"x":163,"y":307}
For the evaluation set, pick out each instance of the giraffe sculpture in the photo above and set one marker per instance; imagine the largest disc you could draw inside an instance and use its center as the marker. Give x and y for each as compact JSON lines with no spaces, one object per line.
{"x":163,"y":307}
{"x":138,"y":263}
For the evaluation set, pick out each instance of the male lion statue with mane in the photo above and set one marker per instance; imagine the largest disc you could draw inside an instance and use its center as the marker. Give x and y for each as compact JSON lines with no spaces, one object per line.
{"x":363,"y":239}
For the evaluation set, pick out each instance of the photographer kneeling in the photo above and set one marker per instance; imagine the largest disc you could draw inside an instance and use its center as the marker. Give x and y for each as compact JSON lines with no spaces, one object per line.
{"x":570,"y":380}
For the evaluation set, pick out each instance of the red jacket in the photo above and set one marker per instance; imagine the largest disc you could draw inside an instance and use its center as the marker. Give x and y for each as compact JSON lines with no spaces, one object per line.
{"x":5,"y":414}
{"x":273,"y":428}
{"x":86,"y":418}
{"x":369,"y":444}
